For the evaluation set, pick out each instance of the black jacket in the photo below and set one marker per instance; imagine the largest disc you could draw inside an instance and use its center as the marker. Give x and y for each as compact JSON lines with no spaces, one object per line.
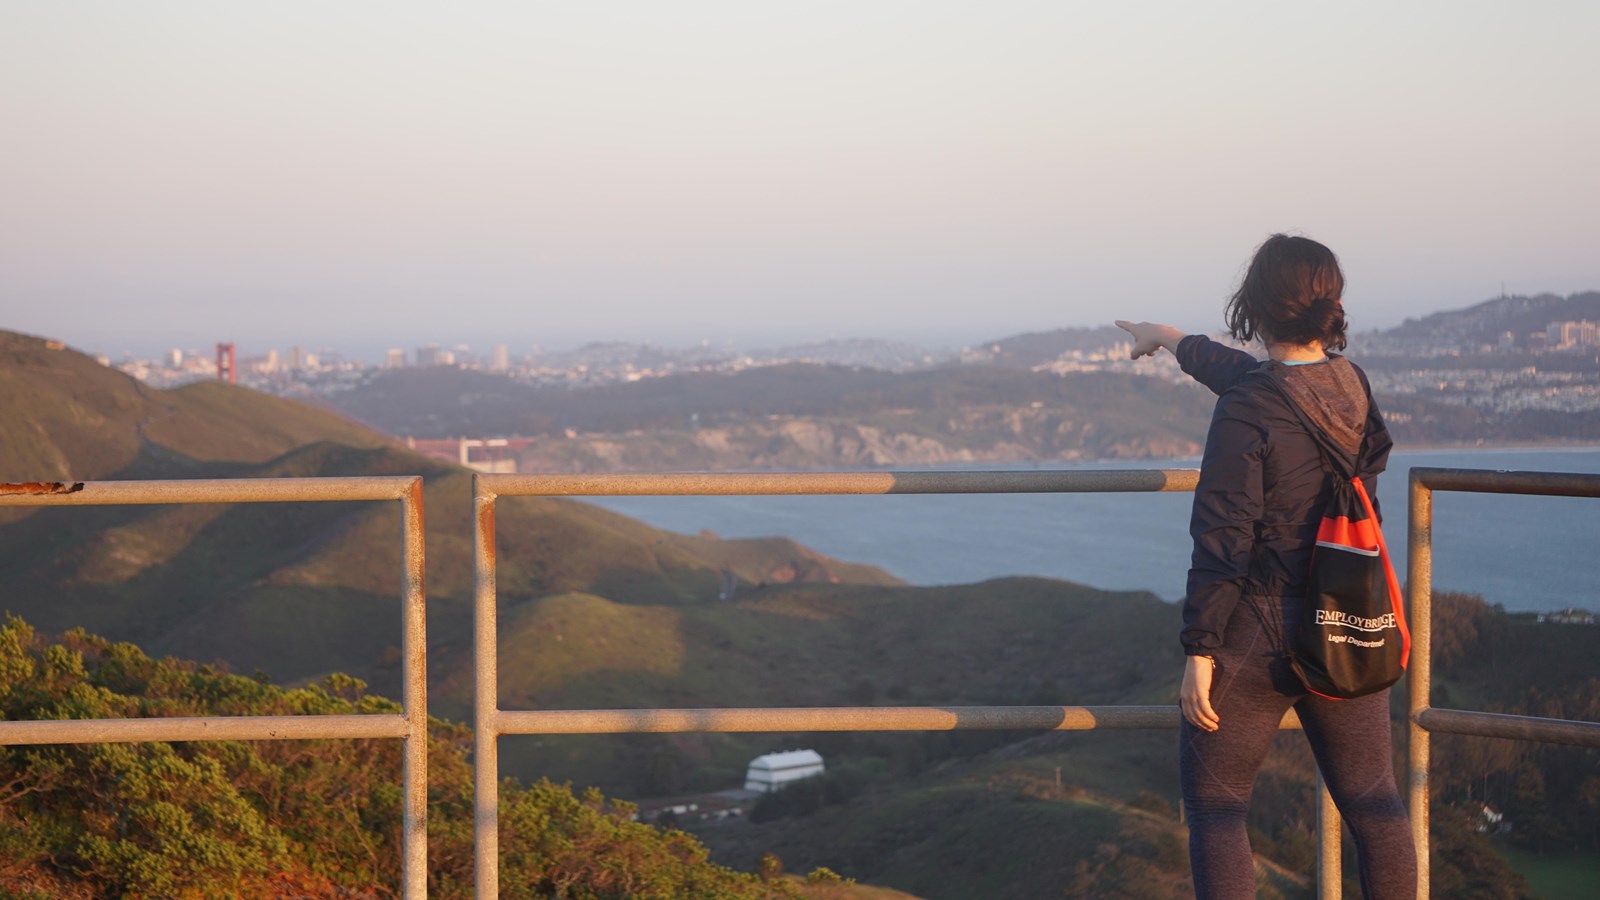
{"x":1262,"y":483}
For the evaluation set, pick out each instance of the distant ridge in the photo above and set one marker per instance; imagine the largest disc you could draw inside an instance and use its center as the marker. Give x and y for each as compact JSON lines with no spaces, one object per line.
{"x":797,"y":415}
{"x":1037,"y":348}
{"x":1484,"y":322}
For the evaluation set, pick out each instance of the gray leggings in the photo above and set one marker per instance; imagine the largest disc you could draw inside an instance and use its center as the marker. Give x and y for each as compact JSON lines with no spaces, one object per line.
{"x":1253,"y":688}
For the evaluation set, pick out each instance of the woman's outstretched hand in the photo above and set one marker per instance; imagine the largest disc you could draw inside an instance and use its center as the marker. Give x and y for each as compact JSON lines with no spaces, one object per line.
{"x":1148,"y":337}
{"x":1194,"y":697}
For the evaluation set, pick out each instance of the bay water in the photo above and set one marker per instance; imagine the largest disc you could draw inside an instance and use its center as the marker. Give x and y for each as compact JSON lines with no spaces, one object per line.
{"x":1526,"y":553}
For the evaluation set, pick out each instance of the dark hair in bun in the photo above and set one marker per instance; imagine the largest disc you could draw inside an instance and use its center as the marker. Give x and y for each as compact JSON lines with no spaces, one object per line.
{"x":1291,"y":294}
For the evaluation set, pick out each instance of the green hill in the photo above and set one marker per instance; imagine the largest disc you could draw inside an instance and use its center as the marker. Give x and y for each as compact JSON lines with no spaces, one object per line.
{"x":68,"y":417}
{"x":999,"y":642}
{"x":297,"y":589}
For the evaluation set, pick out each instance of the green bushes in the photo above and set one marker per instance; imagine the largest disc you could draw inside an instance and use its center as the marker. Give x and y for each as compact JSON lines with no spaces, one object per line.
{"x":270,"y":818}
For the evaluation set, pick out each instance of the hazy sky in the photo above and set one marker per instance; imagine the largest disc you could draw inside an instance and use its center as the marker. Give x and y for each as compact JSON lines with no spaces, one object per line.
{"x":387,"y":174}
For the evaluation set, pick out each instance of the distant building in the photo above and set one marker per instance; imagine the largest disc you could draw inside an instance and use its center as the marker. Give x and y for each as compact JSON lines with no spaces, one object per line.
{"x":1492,"y":821}
{"x":1565,"y":335}
{"x":428,"y":356}
{"x":395,"y":359}
{"x":1568,"y":616}
{"x":775,"y":771}
{"x":494,"y":455}
{"x":499,"y":359}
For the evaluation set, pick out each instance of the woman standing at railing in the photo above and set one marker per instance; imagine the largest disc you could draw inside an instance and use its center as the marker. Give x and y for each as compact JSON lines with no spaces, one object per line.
{"x":1262,"y":489}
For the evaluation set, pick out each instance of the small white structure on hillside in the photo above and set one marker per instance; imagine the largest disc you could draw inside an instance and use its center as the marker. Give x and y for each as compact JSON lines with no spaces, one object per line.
{"x":775,"y":771}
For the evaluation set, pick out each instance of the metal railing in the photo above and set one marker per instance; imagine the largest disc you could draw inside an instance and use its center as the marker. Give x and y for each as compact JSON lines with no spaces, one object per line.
{"x":410,"y":725}
{"x":1425,"y":720}
{"x":490,"y":722}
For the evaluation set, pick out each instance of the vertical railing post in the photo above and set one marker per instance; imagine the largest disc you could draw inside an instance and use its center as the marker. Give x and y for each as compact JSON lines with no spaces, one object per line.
{"x":1330,"y":834}
{"x":414,"y":681}
{"x":1419,"y":675}
{"x":410,"y":726}
{"x":486,"y":699}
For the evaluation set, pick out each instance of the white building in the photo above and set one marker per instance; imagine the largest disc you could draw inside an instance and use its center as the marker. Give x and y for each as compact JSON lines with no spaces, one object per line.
{"x":774,"y":771}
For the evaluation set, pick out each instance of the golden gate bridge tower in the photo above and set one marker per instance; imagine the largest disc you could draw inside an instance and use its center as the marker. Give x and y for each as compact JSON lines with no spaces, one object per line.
{"x":225,"y":367}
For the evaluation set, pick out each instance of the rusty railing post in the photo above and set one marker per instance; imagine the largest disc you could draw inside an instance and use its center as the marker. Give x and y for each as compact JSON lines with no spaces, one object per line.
{"x":414,"y":680}
{"x":486,"y":697}
{"x":1419,"y":674}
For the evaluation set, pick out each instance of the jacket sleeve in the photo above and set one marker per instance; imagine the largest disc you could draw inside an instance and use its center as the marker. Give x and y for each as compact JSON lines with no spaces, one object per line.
{"x":1227,"y":504}
{"x":1214,"y":365}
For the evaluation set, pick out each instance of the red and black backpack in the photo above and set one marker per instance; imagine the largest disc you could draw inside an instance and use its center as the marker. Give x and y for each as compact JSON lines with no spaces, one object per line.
{"x":1353,"y":638}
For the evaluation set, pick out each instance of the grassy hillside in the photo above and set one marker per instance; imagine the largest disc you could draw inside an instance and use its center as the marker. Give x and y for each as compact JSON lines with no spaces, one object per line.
{"x":68,"y":417}
{"x":810,"y":644}
{"x":988,"y":830}
{"x":999,"y":642}
{"x":297,"y":589}
{"x":1094,"y":814}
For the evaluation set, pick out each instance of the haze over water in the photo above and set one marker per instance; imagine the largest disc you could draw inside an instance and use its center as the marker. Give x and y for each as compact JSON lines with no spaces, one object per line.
{"x":1526,"y":553}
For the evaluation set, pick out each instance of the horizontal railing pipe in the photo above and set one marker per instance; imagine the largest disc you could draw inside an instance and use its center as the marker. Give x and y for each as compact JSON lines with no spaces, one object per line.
{"x":1483,"y":481}
{"x":200,"y":728}
{"x":215,"y":490}
{"x":1518,"y":728}
{"x":801,"y":483}
{"x":842,"y":718}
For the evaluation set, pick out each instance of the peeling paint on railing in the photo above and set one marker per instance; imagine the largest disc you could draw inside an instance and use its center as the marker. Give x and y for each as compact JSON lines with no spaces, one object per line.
{"x":35,"y":488}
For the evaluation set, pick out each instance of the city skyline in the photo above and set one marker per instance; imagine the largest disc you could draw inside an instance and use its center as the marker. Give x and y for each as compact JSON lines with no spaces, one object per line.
{"x":1559,"y":331}
{"x":427,"y":351}
{"x":933,"y":172}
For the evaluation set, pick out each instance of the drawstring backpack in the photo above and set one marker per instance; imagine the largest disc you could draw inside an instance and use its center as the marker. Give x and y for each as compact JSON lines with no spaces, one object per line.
{"x":1353,"y":638}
